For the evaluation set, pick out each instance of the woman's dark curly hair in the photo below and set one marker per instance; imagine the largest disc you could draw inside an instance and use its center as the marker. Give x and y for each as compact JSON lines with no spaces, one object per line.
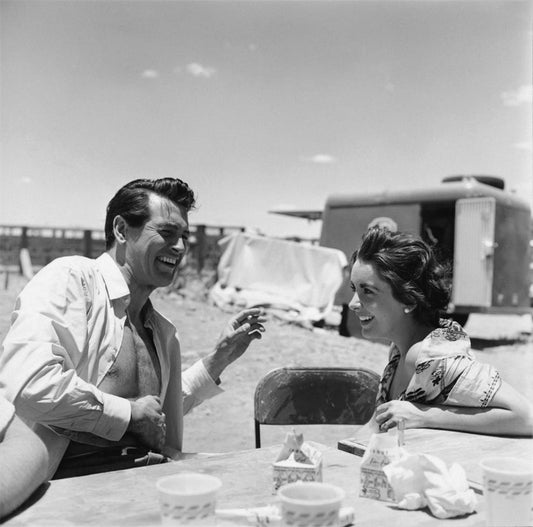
{"x":409,"y":265}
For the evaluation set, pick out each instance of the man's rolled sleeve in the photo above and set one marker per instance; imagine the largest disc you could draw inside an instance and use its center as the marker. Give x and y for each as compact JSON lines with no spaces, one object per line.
{"x":197,"y":386}
{"x":114,"y":419}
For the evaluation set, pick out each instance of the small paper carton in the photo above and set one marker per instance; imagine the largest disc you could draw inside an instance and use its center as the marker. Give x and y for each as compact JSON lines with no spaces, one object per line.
{"x":297,"y":461}
{"x":382,"y":449}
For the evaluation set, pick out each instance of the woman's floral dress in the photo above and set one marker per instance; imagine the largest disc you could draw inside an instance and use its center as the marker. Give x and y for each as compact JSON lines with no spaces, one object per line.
{"x":446,"y":372}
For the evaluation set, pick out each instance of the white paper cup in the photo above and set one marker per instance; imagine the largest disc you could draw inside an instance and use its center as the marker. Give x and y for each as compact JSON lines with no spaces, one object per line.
{"x":188,"y":498}
{"x":310,"y":504}
{"x":507,"y":485}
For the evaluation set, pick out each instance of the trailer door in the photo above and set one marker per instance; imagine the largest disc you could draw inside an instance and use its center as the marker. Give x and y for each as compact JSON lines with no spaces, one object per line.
{"x":474,"y":246}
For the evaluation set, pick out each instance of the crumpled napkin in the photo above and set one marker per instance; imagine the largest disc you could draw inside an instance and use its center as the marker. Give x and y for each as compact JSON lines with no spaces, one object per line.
{"x":421,"y":480}
{"x":296,"y":450}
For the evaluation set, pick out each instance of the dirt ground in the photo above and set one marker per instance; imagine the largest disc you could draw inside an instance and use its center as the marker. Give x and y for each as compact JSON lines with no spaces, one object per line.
{"x":225,"y":422}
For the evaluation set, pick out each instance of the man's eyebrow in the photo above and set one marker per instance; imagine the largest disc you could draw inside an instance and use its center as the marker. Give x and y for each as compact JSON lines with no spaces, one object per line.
{"x":174,"y":226}
{"x":169,"y":224}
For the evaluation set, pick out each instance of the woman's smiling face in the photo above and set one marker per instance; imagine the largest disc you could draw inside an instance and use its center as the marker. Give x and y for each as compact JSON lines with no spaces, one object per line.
{"x":380,"y":314}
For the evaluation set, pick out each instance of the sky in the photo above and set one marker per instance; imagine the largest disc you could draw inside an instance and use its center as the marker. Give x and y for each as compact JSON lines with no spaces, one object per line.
{"x":257,"y":105}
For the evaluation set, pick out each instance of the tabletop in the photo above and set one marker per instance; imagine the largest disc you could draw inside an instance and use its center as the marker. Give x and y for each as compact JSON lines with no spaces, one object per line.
{"x":452,"y":447}
{"x":128,"y":497}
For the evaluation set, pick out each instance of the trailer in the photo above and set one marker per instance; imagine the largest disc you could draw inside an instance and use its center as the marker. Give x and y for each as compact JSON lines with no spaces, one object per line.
{"x":472,"y":221}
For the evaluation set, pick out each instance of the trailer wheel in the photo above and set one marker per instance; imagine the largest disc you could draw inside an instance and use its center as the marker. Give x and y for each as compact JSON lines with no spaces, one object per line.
{"x":343,"y":326}
{"x":460,"y":318}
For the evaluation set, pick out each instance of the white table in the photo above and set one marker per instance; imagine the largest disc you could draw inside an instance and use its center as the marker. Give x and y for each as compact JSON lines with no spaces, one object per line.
{"x":128,"y":497}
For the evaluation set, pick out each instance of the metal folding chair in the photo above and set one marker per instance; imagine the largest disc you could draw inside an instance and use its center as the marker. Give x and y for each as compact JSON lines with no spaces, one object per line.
{"x":336,"y":396}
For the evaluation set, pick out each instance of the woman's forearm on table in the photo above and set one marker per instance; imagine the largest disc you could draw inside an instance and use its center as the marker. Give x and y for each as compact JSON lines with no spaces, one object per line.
{"x":493,"y":421}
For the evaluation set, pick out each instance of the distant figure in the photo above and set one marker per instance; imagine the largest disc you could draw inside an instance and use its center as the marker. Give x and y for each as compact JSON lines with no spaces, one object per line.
{"x":23,"y":460}
{"x":384,"y":222}
{"x":90,"y":361}
{"x":432,"y":379}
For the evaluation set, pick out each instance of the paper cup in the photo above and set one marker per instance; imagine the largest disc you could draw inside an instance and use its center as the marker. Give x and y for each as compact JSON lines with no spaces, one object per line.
{"x":310,"y":504}
{"x":507,"y":485}
{"x":188,"y":498}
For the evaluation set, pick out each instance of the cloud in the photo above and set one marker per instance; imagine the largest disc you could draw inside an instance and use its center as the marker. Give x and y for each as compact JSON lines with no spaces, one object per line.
{"x":522,"y":95}
{"x":26,"y":180}
{"x":150,"y":74}
{"x":197,"y":70}
{"x":321,"y":159}
{"x":524,"y":145}
{"x":390,"y":87}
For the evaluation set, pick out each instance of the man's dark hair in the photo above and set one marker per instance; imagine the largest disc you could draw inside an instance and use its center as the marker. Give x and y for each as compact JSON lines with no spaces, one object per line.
{"x":131,"y":202}
{"x":410,"y":267}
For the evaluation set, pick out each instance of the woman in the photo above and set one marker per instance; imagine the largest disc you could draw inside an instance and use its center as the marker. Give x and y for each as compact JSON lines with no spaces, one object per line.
{"x":432,"y":379}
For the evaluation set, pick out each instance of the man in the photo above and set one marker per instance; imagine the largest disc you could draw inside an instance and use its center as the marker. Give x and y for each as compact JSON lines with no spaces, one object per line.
{"x":23,"y":459}
{"x":87,"y":357}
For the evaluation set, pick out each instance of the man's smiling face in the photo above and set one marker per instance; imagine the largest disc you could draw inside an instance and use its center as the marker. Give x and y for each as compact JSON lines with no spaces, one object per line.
{"x":155,"y":250}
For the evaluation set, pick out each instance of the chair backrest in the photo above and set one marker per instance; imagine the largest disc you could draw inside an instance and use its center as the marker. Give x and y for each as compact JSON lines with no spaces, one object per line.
{"x":307,"y":396}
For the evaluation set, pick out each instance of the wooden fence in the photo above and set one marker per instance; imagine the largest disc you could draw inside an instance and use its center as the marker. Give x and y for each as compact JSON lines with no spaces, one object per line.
{"x":44,"y":244}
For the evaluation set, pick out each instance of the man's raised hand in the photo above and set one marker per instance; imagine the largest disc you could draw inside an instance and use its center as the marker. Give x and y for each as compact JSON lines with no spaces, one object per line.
{"x":235,"y":339}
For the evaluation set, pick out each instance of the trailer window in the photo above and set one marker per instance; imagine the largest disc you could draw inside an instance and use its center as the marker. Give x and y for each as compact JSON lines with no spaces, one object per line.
{"x":438,"y":229}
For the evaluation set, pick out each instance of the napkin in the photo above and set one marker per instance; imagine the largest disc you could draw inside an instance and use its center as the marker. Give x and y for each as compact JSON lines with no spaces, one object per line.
{"x":296,"y":461}
{"x":295,"y":450}
{"x":421,"y":480}
{"x":271,"y":515}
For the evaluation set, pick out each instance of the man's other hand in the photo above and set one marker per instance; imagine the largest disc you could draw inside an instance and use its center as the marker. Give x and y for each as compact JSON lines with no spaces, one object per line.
{"x":147,"y":421}
{"x":235,"y":339}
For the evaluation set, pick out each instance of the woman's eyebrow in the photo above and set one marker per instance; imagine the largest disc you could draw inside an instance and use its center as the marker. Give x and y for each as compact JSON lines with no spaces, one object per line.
{"x":369,"y":285}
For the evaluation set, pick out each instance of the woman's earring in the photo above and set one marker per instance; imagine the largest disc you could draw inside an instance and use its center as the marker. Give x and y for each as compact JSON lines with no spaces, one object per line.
{"x":407,"y":310}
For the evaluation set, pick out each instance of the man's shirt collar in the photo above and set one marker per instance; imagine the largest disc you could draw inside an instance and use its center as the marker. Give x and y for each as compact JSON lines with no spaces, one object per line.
{"x":113,"y":278}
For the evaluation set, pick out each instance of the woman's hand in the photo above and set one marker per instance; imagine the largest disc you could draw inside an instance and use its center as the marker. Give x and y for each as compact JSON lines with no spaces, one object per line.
{"x":389,"y":414}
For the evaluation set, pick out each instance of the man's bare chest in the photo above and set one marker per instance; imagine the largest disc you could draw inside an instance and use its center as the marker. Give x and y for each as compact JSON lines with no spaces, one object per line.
{"x":136,"y":371}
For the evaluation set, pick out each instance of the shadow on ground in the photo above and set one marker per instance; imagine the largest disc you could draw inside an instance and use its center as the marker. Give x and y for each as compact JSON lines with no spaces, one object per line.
{"x":481,"y":344}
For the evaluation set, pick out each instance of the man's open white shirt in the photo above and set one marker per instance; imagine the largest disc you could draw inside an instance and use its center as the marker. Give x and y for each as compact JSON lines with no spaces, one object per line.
{"x":67,"y":329}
